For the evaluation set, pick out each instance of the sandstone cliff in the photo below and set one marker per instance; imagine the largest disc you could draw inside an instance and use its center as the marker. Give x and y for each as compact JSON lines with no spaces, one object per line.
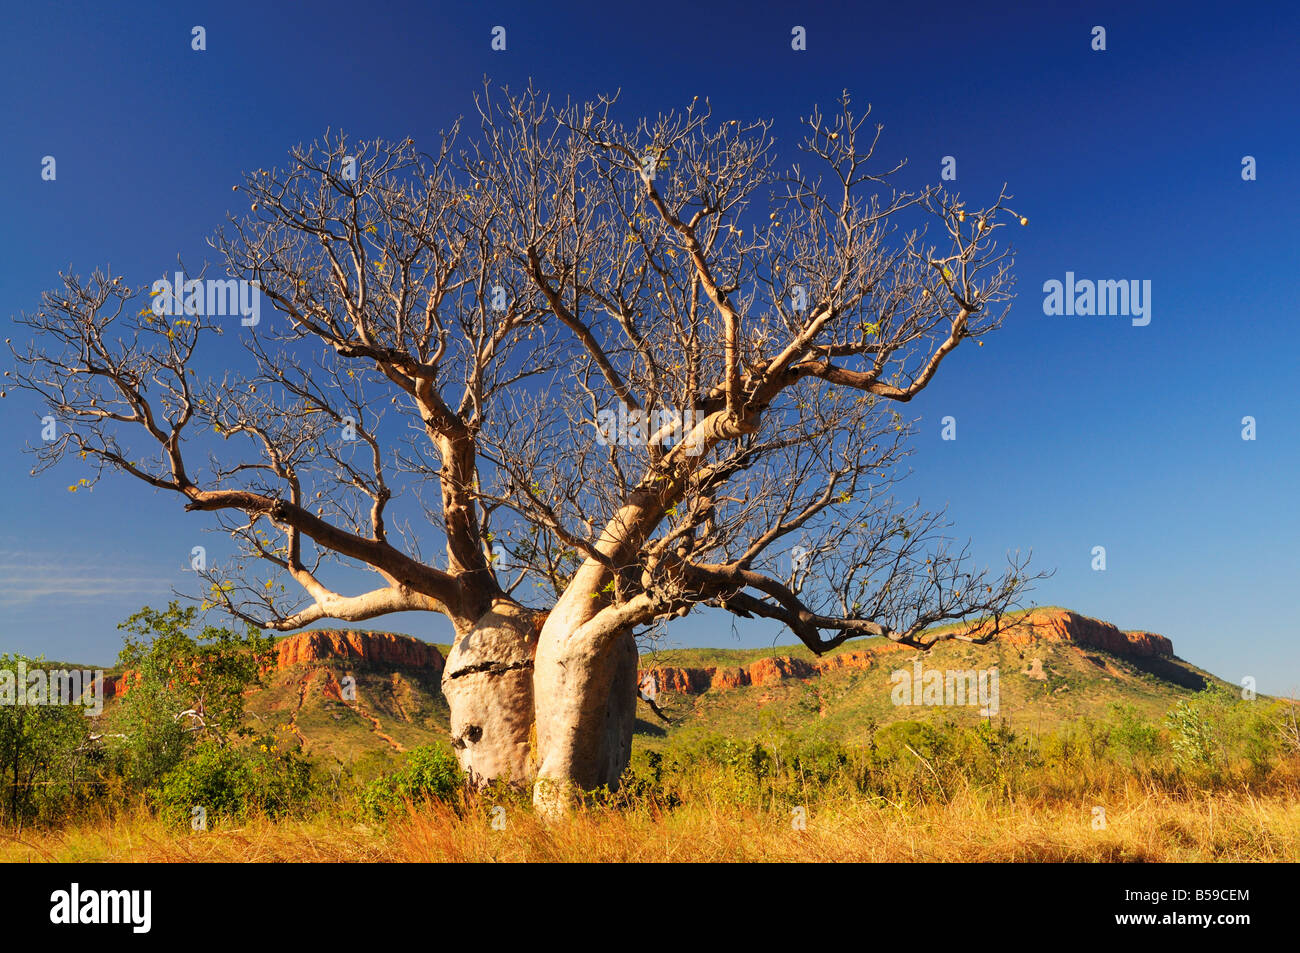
{"x":324,"y":645}
{"x":366,"y":647}
{"x":1047,"y":625}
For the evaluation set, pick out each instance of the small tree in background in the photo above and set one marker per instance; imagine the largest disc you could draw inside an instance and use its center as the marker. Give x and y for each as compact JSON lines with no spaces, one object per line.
{"x":41,"y":751}
{"x":181,"y":689}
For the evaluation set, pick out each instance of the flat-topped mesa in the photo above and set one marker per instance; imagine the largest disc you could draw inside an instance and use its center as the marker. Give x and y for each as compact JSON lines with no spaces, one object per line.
{"x":1048,"y":625}
{"x":764,"y":671}
{"x":1062,"y":625}
{"x":323,"y":645}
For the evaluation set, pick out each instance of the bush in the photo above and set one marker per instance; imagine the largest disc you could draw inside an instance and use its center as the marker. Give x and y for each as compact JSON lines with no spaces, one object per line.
{"x":1217,"y":727}
{"x":178,"y":670}
{"x":642,"y":784}
{"x":235,"y":782}
{"x":430,"y":772}
{"x":1134,"y":734}
{"x":44,"y":768}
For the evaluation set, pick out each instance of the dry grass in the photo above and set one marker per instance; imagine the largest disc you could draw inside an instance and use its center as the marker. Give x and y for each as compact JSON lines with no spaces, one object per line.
{"x":1141,"y":826}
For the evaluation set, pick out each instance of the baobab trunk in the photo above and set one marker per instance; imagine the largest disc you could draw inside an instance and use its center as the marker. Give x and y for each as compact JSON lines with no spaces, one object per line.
{"x":488,"y":684}
{"x":585,"y":698}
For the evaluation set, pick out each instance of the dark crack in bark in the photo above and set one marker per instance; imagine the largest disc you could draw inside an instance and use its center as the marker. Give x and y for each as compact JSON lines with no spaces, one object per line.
{"x":491,"y":668}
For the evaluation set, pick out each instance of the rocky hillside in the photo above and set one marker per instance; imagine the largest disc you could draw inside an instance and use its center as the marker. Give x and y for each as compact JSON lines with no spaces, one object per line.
{"x":368,"y":648}
{"x":333,"y":647}
{"x":1039,"y":626}
{"x":1050,"y":668}
{"x":346,"y":693}
{"x":351,"y":694}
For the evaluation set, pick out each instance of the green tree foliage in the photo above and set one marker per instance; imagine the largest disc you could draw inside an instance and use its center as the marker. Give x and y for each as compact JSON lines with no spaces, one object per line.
{"x":41,"y":753}
{"x":182,"y":689}
{"x":1214,"y":726}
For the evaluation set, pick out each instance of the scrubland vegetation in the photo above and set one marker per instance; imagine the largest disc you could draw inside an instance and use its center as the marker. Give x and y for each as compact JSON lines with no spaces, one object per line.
{"x":1216,"y":778}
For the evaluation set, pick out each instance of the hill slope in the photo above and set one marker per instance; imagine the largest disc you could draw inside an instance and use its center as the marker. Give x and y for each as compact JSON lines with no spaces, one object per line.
{"x":1052,"y":667}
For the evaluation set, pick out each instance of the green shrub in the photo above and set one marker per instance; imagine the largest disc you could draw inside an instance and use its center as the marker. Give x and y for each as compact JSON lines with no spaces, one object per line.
{"x":643,"y":784}
{"x":1133,"y":733}
{"x":430,"y":772}
{"x":1193,"y":738}
{"x":235,"y":782}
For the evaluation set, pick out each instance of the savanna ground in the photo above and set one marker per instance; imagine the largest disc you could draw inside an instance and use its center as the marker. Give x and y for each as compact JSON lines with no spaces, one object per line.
{"x":1217,"y":780}
{"x":1141,"y":826}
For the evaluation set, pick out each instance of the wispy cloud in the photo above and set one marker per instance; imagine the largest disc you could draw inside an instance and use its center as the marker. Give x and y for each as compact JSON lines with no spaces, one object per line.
{"x":24,"y":581}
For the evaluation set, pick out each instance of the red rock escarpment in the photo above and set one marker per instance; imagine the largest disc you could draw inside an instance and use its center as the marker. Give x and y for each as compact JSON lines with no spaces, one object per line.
{"x":115,"y":686}
{"x":323,"y":645}
{"x":764,"y":671}
{"x":1048,"y":625}
{"x":1062,"y":625}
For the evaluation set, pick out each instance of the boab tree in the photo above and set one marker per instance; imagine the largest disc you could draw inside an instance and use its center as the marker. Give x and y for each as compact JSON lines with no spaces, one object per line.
{"x":616,"y":372}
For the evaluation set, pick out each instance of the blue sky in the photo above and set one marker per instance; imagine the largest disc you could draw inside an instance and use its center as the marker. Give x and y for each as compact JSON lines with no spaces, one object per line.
{"x":1073,"y":432}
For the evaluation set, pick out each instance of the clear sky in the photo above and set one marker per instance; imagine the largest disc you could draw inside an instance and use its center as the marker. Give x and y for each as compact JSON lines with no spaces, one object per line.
{"x":1073,"y":432}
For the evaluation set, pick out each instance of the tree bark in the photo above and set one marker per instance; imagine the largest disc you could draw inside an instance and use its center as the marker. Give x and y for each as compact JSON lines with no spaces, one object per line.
{"x":488,"y":684}
{"x":585,"y":697}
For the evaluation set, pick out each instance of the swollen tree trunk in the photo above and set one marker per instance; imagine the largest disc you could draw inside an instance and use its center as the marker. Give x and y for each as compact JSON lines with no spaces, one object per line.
{"x":585,"y":697}
{"x":488,"y":684}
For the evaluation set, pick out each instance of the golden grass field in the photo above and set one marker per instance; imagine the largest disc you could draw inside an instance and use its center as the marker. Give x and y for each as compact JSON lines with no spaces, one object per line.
{"x":1205,"y":777}
{"x":1140,"y":826}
